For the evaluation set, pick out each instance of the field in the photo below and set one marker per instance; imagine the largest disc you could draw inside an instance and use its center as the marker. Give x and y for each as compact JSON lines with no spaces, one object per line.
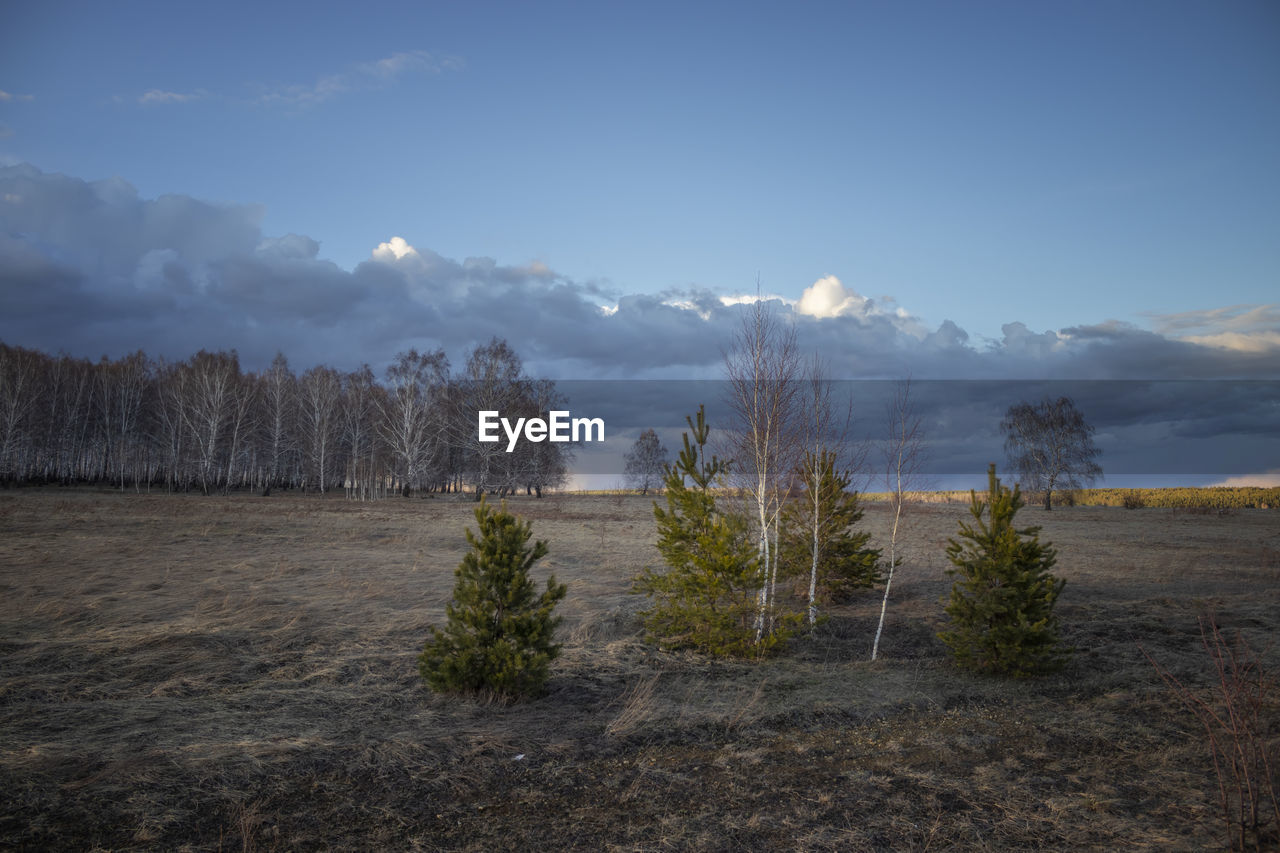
{"x":239,"y":673}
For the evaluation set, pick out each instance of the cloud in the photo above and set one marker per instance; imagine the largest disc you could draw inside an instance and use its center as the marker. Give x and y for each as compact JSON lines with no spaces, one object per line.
{"x":9,"y":96}
{"x":160,"y":96}
{"x":362,"y":76}
{"x":827,"y":297}
{"x":395,"y":249}
{"x":93,"y":268}
{"x":1242,"y":328}
{"x":1266,"y":479}
{"x":358,"y":77}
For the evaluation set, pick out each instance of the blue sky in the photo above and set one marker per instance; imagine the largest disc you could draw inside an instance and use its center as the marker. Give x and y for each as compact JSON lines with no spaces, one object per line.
{"x":1055,"y":164}
{"x":976,"y":190}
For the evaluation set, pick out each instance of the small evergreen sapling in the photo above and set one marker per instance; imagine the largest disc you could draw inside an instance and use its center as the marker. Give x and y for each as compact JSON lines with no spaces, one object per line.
{"x":706,"y":599}
{"x":1001,"y":608}
{"x":499,"y":631}
{"x":820,"y":541}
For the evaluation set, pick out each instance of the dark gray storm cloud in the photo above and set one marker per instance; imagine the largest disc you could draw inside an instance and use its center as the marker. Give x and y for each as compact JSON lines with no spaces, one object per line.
{"x":93,"y":269}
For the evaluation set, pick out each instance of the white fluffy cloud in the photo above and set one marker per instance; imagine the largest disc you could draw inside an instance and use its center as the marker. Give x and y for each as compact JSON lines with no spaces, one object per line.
{"x":827,"y":297}
{"x":395,"y":249}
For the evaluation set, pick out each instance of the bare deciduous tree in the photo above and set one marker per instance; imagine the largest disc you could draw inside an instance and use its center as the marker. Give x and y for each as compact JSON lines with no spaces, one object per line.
{"x":241,"y":429}
{"x":1050,"y":446}
{"x":18,"y":374}
{"x":319,"y":392}
{"x":494,"y":381}
{"x":543,"y":464}
{"x":413,"y":412}
{"x":763,"y":367}
{"x":122,"y":385}
{"x":205,"y":390}
{"x":904,"y":461}
{"x":203,"y":423}
{"x":823,"y":433}
{"x":64,"y":420}
{"x":646,"y":463}
{"x":279,"y":397}
{"x":359,"y":407}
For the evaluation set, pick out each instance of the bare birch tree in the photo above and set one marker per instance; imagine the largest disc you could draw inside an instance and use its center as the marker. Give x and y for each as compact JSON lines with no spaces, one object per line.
{"x":319,"y":391}
{"x":492,"y":382}
{"x":359,"y":407}
{"x":279,"y":397}
{"x":205,"y":389}
{"x":64,"y":420}
{"x":414,"y":412}
{"x":241,"y":428}
{"x":904,"y":460}
{"x":646,"y":463}
{"x":122,"y":385}
{"x":1051,"y":446}
{"x":543,"y":464}
{"x":18,"y":374}
{"x":763,"y":367}
{"x":823,"y":433}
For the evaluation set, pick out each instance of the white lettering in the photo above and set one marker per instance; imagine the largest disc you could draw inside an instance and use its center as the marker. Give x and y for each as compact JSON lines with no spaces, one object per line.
{"x":588,"y":424}
{"x":512,"y":434}
{"x":559,"y":421}
{"x":487,"y":425}
{"x":559,"y":428}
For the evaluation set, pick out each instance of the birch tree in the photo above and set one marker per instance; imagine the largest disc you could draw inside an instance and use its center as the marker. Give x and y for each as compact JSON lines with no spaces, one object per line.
{"x":319,"y":391}
{"x":413,"y":412}
{"x":763,"y":368}
{"x":241,"y":428}
{"x":359,"y":407}
{"x":205,"y":389}
{"x":64,"y":421}
{"x":122,"y":385}
{"x":543,"y":464}
{"x":904,"y":460}
{"x":279,"y":400}
{"x":493,"y":381}
{"x":646,"y":462}
{"x":18,"y":373}
{"x":1050,"y":446}
{"x":824,"y":437}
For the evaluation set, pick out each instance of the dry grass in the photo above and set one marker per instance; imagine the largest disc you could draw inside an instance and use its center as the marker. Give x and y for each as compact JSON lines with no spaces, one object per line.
{"x":239,"y":673}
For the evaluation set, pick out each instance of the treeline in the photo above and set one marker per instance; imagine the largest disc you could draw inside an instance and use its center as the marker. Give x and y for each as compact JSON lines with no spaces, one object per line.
{"x":205,"y":424}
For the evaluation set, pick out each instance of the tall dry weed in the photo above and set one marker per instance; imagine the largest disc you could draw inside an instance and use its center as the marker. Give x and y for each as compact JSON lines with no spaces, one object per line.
{"x":1239,"y":715}
{"x":638,"y":707}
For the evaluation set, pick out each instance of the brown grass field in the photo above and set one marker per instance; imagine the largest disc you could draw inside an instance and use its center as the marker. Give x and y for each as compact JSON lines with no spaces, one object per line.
{"x":240,"y":673}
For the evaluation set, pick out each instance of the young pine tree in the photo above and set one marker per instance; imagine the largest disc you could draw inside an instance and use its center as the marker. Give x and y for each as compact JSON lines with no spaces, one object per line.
{"x":1001,"y":608}
{"x":819,"y":540}
{"x":499,"y":632}
{"x":706,"y":599}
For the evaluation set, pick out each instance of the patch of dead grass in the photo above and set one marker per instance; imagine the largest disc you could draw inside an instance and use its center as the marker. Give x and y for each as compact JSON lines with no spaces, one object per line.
{"x":239,"y":672}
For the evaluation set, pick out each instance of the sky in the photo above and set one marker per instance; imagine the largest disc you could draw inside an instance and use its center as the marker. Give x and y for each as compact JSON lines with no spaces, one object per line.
{"x":958,"y":191}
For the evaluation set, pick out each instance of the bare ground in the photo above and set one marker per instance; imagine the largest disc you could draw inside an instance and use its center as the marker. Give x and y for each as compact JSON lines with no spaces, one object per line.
{"x":239,"y":673}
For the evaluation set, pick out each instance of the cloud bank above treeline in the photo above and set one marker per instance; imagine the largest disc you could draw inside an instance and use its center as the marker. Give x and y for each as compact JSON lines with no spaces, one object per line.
{"x":91,"y":268}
